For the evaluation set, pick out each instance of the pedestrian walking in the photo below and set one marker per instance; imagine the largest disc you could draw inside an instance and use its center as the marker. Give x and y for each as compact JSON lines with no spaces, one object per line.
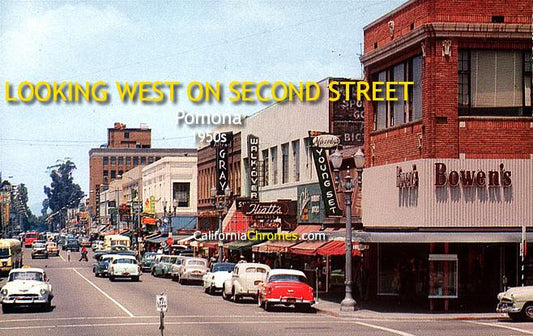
{"x":83,"y":254}
{"x":68,"y":255}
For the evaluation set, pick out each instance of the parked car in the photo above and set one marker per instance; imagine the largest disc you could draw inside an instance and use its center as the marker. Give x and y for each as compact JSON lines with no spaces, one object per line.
{"x":244,"y":281}
{"x":72,"y":245}
{"x":124,"y":266}
{"x":10,"y":254}
{"x":217,"y":275}
{"x":176,"y":268}
{"x":101,"y":267}
{"x":287,"y":287}
{"x":148,"y":261}
{"x":39,"y":250}
{"x":26,"y":287}
{"x":164,"y":266}
{"x":97,"y":245}
{"x":192,"y":269}
{"x":52,"y":248}
{"x":517,"y":302}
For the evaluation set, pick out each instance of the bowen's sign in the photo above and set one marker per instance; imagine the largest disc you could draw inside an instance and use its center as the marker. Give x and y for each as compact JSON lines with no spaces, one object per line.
{"x":469,"y":178}
{"x":406,"y":179}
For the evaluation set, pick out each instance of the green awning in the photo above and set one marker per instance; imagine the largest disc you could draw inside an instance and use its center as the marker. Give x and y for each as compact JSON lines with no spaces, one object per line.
{"x":243,"y":245}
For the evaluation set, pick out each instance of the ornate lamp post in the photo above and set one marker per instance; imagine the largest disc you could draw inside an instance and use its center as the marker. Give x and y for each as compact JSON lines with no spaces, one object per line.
{"x":348,"y":303}
{"x":221,"y":203}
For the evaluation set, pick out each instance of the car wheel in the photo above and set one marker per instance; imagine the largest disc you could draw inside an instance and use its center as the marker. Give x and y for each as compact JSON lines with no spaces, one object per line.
{"x":304,"y":307}
{"x":234,"y":297}
{"x":48,"y":306}
{"x":212,"y":290}
{"x":207,"y":290}
{"x":527,"y":311}
{"x":225,"y":296}
{"x":135,"y":278}
{"x":267,"y":306}
{"x":6,"y":308}
{"x":111,"y":278}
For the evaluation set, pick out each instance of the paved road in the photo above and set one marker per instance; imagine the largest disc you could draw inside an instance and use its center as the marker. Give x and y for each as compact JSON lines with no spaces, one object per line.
{"x":85,"y":305}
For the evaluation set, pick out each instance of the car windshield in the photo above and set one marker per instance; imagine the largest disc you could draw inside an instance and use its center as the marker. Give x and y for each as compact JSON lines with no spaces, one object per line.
{"x":287,"y":278}
{"x":106,"y":260}
{"x":37,"y":276}
{"x":255,"y":270}
{"x":124,"y":261}
{"x":196,"y":263}
{"x":4,"y":252}
{"x":223,"y":267}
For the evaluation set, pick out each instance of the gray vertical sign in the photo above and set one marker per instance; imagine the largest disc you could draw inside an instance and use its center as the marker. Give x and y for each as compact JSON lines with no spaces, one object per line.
{"x":253,"y":159}
{"x":225,"y":141}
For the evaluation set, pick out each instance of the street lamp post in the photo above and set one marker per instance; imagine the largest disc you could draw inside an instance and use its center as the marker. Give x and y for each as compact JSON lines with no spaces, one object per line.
{"x":348,"y":303}
{"x":221,"y":203}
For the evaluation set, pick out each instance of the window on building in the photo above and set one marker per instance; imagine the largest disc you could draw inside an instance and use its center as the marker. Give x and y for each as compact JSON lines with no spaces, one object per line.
{"x":296,"y":160}
{"x":143,"y":160}
{"x":126,"y":135}
{"x":396,"y":113}
{"x":113,"y":160}
{"x":113,"y":174}
{"x":106,"y":160}
{"x":443,"y":277}
{"x":285,"y":163}
{"x":274,"y":160}
{"x":120,"y":173}
{"x":265,"y":167}
{"x":135,"y":160}
{"x":128,"y":160}
{"x":308,"y":158}
{"x":150,"y":160}
{"x":494,"y":82}
{"x":120,"y":160}
{"x":181,"y":192}
{"x":106,"y":175}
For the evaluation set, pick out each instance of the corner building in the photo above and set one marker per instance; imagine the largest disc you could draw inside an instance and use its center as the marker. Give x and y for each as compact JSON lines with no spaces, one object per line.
{"x":448,"y":178}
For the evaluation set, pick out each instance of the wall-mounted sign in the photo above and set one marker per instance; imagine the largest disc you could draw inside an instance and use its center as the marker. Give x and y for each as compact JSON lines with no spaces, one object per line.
{"x":326,"y":141}
{"x":469,"y":178}
{"x":222,"y":162}
{"x":253,"y":158}
{"x":266,"y":210}
{"x":97,"y":203}
{"x":241,"y":202}
{"x":407,"y":179}
{"x":325,"y":179}
{"x":148,"y":220}
{"x":347,"y":116}
{"x":310,"y":205}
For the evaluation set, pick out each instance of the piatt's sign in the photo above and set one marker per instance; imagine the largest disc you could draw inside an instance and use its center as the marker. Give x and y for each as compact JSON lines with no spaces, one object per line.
{"x":469,"y":178}
{"x":406,"y":179}
{"x":266,"y":210}
{"x":253,"y":157}
{"x":222,"y":161}
{"x":326,"y":141}
{"x":324,"y":177}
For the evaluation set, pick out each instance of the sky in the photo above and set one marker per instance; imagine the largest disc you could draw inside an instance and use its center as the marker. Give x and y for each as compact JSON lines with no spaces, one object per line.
{"x":184,"y":41}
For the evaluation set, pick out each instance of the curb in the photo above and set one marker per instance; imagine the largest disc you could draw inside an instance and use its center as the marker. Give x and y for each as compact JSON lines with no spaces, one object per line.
{"x":427,"y":317}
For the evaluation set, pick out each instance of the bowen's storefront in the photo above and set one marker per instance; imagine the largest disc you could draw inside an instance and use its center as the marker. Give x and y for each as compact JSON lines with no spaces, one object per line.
{"x":445,"y":233}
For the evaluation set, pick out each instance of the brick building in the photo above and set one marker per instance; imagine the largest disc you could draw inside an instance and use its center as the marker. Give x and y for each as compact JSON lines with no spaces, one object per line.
{"x":447,"y":186}
{"x":126,"y":148}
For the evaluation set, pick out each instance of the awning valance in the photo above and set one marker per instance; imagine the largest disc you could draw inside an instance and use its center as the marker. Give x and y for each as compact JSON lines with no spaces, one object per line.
{"x":243,"y":245}
{"x":337,"y":247}
{"x":307,"y":247}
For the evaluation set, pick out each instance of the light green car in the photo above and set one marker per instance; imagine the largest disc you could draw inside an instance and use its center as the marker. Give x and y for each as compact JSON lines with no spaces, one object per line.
{"x":517,"y":302}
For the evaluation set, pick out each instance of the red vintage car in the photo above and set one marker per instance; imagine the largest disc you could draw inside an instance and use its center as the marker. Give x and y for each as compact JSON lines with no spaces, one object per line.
{"x":286,"y":287}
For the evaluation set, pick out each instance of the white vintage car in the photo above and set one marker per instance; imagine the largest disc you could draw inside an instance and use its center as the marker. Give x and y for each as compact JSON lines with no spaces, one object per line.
{"x":517,"y":302}
{"x":124,"y":266}
{"x":26,"y":287}
{"x":191,"y":269}
{"x":244,"y":281}
{"x":217,"y":275}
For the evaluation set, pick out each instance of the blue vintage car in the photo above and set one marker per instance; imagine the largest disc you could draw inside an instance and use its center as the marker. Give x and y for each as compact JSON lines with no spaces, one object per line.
{"x":148,"y":261}
{"x":164,"y":266}
{"x":100,"y":268}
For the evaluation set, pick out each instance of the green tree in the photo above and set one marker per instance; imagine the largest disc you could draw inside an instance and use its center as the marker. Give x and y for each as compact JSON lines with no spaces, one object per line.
{"x":63,"y":193}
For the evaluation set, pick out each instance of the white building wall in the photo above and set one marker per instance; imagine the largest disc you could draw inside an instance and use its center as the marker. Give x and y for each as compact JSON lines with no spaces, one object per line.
{"x":279,"y":124}
{"x":158,"y":179}
{"x":431,"y":206}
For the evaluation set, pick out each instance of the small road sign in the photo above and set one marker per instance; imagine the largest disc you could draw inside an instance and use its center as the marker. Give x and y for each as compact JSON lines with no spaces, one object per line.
{"x":161,"y":303}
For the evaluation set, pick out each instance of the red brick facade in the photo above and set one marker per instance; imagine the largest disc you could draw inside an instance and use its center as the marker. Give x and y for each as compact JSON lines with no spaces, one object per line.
{"x":420,"y":27}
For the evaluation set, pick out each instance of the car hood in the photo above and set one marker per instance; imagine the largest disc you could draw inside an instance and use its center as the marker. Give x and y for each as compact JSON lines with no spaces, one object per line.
{"x":517,"y":293}
{"x":24,"y":285}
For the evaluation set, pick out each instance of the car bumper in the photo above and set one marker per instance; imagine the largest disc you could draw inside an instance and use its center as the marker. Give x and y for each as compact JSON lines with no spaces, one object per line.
{"x":192,"y":277}
{"x":25,"y":301}
{"x":507,"y":308}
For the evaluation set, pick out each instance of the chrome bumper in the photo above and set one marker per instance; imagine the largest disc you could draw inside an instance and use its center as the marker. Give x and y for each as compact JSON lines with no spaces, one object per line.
{"x":507,"y":308}
{"x":289,"y":300}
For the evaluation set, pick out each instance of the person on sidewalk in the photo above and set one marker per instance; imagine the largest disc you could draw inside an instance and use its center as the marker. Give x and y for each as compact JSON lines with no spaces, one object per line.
{"x":83,"y":254}
{"x":68,"y":255}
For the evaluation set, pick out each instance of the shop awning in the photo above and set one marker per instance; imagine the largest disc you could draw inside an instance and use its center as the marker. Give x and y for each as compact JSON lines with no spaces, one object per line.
{"x":210,"y":244}
{"x":236,"y":221}
{"x":274,"y":246}
{"x":337,"y":247}
{"x":307,"y":247}
{"x":243,"y":245}
{"x":156,"y":239}
{"x":303,"y":228}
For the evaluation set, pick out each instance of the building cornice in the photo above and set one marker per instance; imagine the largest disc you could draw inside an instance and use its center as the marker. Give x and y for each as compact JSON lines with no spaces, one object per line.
{"x":448,"y":30}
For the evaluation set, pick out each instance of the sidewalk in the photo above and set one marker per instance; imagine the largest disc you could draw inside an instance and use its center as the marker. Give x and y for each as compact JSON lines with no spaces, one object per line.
{"x":332,"y":307}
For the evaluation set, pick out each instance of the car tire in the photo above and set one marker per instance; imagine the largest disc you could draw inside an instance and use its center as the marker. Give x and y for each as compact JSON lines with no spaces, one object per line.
{"x":207,"y":290}
{"x":212,"y":290}
{"x":267,"y":306}
{"x":111,"y":278}
{"x":517,"y":317}
{"x":135,"y":278}
{"x":234,"y":297}
{"x":527,"y":311}
{"x":303,"y":307}
{"x":225,"y":296}
{"x":7,"y":308}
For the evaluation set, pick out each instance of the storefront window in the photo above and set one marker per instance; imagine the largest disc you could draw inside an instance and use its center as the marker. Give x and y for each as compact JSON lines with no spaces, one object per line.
{"x":442,"y":276}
